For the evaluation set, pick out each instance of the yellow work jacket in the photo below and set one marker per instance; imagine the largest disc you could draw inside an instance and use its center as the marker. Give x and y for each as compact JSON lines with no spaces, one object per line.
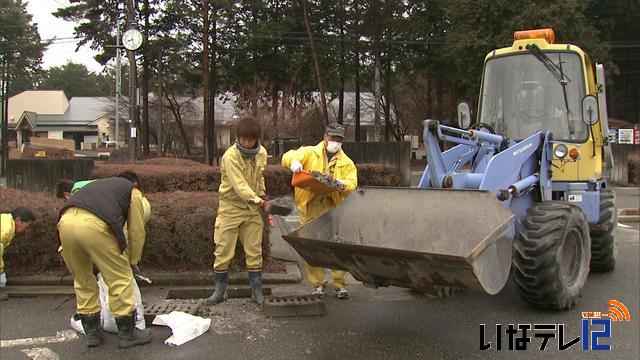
{"x":242,"y":181}
{"x":146,"y":210}
{"x":314,"y":158}
{"x":7,"y":232}
{"x":136,"y":233}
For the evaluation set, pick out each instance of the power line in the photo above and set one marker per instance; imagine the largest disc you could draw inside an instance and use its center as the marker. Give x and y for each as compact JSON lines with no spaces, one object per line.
{"x":61,"y":4}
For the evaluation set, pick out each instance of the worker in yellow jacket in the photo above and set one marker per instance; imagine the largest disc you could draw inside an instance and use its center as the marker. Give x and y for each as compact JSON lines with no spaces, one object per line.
{"x":328,"y":158}
{"x":242,"y":194}
{"x":91,"y":231}
{"x":11,"y":225}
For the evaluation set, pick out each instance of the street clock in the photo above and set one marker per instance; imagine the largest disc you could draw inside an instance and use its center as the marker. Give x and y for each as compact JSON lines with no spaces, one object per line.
{"x":132,"y":39}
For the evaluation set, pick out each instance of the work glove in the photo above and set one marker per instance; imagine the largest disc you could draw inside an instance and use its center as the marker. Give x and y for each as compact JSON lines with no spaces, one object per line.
{"x":342,"y":184}
{"x":296,"y":166}
{"x":3,"y":280}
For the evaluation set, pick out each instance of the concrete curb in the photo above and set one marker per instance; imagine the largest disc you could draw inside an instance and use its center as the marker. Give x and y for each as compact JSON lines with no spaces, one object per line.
{"x":291,"y":276}
{"x":628,"y":219}
{"x":630,"y":215}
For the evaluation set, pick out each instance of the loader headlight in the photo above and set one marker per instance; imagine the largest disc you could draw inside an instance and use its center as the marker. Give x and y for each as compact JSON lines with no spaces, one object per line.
{"x":560,"y":151}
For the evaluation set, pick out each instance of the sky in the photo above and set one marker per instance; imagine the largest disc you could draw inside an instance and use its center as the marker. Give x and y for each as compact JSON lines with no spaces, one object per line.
{"x":60,"y":51}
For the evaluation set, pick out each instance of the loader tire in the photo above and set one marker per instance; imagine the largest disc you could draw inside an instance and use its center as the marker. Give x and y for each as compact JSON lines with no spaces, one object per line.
{"x":552,"y":251}
{"x":603,"y":246}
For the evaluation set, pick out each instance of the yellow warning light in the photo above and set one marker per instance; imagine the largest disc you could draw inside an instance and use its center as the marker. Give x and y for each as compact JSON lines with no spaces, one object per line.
{"x":546,"y":34}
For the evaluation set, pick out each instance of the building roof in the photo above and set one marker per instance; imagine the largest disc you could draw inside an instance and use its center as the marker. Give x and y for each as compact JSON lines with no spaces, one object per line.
{"x":86,"y":128}
{"x":226,"y":112}
{"x":224,"y":109}
{"x":79,"y":116}
{"x":367,"y":109}
{"x":81,"y":111}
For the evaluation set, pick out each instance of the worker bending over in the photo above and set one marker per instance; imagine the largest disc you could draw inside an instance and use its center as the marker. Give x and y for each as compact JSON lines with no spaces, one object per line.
{"x":91,"y":231}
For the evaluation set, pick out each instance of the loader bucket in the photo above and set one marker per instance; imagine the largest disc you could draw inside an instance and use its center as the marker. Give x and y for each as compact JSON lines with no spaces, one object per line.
{"x":413,"y":238}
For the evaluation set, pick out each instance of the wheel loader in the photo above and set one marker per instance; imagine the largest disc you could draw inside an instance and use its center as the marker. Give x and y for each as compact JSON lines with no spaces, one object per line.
{"x":521,"y":194}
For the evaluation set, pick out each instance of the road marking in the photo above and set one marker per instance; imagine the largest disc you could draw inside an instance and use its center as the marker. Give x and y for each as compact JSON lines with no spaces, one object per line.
{"x":41,"y":354}
{"x":61,"y":336}
{"x":624,"y":226}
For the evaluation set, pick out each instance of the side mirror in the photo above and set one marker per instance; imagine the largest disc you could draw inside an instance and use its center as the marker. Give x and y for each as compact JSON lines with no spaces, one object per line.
{"x":590,"y":110}
{"x":464,"y":115}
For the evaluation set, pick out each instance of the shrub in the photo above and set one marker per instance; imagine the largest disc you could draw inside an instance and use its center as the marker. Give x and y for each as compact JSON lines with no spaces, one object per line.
{"x":172,"y":162}
{"x":378,"y":175}
{"x":179,"y":233}
{"x":161,"y":178}
{"x":37,"y":250}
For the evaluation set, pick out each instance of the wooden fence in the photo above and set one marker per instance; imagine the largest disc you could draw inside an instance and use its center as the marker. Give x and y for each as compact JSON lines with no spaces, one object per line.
{"x":622,"y":154}
{"x":38,"y":175}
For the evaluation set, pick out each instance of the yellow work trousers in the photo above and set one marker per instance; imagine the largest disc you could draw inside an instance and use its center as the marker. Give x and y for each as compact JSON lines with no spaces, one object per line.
{"x":235,"y":225}
{"x":319,"y":205}
{"x":316,"y":276}
{"x":1,"y":257}
{"x":86,"y":239}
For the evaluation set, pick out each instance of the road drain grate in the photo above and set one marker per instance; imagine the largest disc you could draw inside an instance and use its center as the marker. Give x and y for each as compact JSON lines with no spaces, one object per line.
{"x":203,"y":293}
{"x":151,"y":310}
{"x":293,"y":305}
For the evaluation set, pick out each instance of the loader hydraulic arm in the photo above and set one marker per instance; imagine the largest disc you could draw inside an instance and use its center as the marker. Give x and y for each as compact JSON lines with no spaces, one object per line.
{"x":504,"y":167}
{"x":473,"y":146}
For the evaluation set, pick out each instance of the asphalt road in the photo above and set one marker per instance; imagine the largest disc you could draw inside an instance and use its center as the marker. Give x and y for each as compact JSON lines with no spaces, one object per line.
{"x":388,"y":323}
{"x":627,"y":197}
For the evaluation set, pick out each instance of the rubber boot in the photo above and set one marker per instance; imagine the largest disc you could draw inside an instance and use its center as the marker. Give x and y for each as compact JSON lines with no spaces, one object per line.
{"x":218,"y":296}
{"x":92,"y":328}
{"x":128,"y":334}
{"x":255,"y":279}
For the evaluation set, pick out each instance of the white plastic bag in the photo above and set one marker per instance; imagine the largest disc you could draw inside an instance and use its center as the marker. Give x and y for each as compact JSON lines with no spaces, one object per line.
{"x":76,"y":324}
{"x":185,"y":327}
{"x":108,"y":320}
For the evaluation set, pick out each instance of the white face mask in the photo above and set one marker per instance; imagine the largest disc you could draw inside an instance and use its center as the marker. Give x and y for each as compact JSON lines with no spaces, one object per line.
{"x":333,"y":147}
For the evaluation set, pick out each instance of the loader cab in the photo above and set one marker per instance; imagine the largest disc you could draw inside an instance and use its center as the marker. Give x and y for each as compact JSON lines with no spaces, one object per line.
{"x":535,"y":85}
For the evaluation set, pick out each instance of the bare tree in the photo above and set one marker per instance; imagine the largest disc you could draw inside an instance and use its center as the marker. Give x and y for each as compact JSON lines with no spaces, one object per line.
{"x":314,"y":54}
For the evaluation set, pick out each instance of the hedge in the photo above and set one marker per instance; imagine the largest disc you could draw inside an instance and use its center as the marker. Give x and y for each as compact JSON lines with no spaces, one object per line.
{"x":179,"y":234}
{"x":166,"y":177}
{"x":37,"y":250}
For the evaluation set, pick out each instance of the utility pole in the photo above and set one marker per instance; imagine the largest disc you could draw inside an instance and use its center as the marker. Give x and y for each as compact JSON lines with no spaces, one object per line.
{"x":4,"y":97}
{"x":357,"y":75}
{"x":159,"y":96}
{"x":118,"y":84}
{"x":3,"y":132}
{"x":205,"y":87}
{"x":133,"y":107}
{"x":145,"y":85}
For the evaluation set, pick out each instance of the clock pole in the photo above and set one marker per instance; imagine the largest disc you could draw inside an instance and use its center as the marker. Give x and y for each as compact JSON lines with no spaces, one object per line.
{"x":133,"y":107}
{"x":118,"y":84}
